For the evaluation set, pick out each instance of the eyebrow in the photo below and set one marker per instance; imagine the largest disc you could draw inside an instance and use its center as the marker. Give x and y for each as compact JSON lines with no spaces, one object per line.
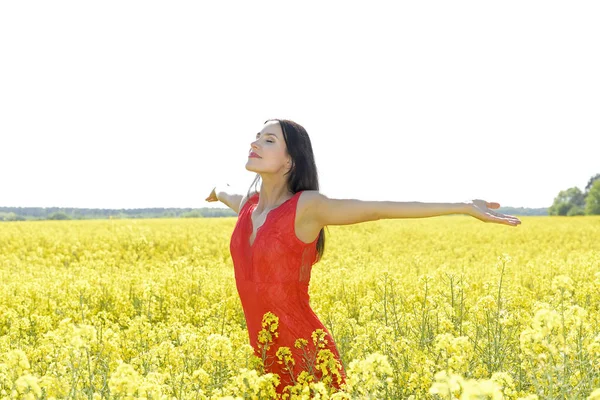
{"x":266,"y":134}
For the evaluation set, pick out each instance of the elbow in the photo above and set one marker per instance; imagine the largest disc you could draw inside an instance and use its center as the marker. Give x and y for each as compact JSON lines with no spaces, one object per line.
{"x":377,"y":212}
{"x":375,"y":216}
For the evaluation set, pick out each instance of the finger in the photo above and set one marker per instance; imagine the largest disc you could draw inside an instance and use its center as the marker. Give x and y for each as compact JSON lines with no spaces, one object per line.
{"x":493,"y":205}
{"x":509,"y":220}
{"x":503,"y":219}
{"x":514,"y":220}
{"x":506,"y":216}
{"x":495,"y":214}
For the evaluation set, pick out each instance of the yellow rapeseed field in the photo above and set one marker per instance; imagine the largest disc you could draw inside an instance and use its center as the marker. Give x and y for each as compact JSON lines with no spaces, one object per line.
{"x":445,"y":307}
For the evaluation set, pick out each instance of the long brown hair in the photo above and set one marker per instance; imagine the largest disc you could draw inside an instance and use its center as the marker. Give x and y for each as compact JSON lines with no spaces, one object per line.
{"x":303,"y":173}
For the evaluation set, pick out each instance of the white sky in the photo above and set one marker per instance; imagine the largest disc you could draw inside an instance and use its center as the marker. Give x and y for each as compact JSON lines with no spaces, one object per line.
{"x":127,"y":104}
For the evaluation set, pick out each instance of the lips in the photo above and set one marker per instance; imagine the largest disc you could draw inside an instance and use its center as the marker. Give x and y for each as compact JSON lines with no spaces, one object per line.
{"x":254,"y":155}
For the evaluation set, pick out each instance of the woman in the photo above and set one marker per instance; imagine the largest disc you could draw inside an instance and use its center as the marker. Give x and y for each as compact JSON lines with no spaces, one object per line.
{"x":279,"y":235}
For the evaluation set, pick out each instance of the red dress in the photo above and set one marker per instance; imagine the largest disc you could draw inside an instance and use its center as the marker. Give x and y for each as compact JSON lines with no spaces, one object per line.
{"x":272,"y":275}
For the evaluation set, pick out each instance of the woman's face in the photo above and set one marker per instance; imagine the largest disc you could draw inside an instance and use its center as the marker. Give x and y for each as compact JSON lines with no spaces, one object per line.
{"x":271,"y":148}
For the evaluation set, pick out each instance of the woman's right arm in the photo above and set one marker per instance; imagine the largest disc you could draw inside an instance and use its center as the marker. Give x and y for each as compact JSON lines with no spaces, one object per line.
{"x":223,"y":194}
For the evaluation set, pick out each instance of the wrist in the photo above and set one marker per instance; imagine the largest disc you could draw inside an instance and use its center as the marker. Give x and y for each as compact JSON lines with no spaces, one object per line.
{"x":220,"y":192}
{"x":467,"y":207}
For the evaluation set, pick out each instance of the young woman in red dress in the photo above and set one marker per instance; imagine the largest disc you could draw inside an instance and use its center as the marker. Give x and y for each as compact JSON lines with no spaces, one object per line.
{"x":279,"y":236}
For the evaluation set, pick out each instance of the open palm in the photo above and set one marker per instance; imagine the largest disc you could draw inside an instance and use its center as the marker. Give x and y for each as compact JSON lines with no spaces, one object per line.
{"x":482,"y":210}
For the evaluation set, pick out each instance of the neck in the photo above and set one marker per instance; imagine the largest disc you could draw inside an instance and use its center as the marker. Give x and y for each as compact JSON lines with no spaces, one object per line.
{"x":272,"y":194}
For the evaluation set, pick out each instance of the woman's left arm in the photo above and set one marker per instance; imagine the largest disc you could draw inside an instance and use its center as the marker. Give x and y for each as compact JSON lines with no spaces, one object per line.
{"x":350,"y":211}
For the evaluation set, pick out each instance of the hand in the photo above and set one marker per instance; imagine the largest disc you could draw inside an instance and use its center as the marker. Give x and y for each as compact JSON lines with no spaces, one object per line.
{"x":481,"y":210}
{"x":212,"y":196}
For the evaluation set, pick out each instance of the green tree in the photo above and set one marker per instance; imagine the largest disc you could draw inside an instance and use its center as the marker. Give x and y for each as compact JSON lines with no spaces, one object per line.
{"x":575,"y":210}
{"x":567,"y":199}
{"x":591,"y":182}
{"x":191,"y":214}
{"x":11,"y":216}
{"x":59,"y":215}
{"x":592,"y":201}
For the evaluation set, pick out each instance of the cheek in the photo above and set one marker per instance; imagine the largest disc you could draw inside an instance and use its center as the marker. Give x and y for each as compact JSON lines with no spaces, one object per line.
{"x":275,"y":152}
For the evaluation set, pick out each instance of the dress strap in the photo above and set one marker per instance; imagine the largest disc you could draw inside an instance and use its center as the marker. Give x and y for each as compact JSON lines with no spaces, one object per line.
{"x":251,"y":200}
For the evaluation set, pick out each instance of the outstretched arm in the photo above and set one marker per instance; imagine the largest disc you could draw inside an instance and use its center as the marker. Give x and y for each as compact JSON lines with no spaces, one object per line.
{"x":349,"y":211}
{"x":223,"y":194}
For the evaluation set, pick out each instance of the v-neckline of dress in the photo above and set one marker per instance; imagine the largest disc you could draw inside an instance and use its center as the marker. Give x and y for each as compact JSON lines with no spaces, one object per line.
{"x":253,"y":207}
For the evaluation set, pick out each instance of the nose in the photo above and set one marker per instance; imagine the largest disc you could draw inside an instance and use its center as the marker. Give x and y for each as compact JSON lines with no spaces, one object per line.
{"x":253,"y":145}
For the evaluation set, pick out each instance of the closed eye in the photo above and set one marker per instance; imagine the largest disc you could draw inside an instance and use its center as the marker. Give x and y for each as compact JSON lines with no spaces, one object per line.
{"x":266,"y":134}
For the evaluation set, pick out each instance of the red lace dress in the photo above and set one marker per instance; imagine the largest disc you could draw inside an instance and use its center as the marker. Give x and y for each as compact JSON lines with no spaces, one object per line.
{"x":272,"y":275}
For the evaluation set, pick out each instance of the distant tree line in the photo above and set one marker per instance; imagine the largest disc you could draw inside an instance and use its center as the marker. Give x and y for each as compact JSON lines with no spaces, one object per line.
{"x":569,"y":202}
{"x":523,"y":211}
{"x":58,"y":213}
{"x":573,"y":201}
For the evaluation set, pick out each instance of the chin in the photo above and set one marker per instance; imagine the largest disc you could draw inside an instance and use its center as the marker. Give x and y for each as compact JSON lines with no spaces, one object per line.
{"x":249,"y":168}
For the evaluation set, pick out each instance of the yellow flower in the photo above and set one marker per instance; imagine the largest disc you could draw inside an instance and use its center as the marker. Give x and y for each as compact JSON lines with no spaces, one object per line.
{"x":300,"y":343}
{"x":284,"y":355}
{"x":562,"y":284}
{"x":319,"y":340}
{"x":595,"y":395}
{"x":28,"y":384}
{"x":125,"y":381}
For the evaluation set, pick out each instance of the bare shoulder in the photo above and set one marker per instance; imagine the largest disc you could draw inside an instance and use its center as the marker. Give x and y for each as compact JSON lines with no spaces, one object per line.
{"x":307,"y":224}
{"x":308,"y":198}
